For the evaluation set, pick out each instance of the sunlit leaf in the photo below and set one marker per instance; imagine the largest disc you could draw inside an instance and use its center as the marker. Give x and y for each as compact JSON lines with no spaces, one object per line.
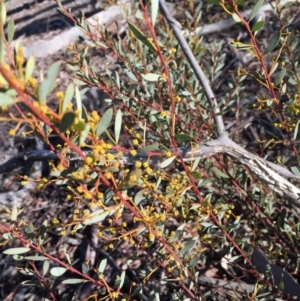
{"x":16,"y":251}
{"x":10,"y":30}
{"x":74,"y":281}
{"x":57,"y":271}
{"x":104,"y":122}
{"x":154,"y":10}
{"x":69,"y":94}
{"x":6,"y":100}
{"x":167,"y":162}
{"x":102,"y":265}
{"x":29,"y":68}
{"x":118,"y":125}
{"x":256,"y":8}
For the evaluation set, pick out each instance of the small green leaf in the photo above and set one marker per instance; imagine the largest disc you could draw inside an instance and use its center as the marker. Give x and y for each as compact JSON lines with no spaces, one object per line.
{"x":154,"y":11}
{"x":6,"y":100}
{"x":295,"y":170}
{"x":29,"y":68}
{"x":85,"y":114}
{"x":48,"y":84}
{"x":197,"y":175}
{"x":84,"y":134}
{"x":140,"y":36}
{"x":104,"y":122}
{"x":57,"y":271}
{"x":79,"y":126}
{"x":46,"y":266}
{"x":219,"y":173}
{"x":280,"y":77}
{"x":167,"y":162}
{"x":273,"y":42}
{"x":149,"y":148}
{"x":292,"y":81}
{"x":130,"y":75}
{"x":67,"y":121}
{"x":151,"y":77}
{"x":96,"y":217}
{"x":68,"y":97}
{"x":78,"y":101}
{"x":258,"y":25}
{"x":16,"y":251}
{"x":10,"y":30}
{"x":256,"y":8}
{"x":188,"y":246}
{"x":183,"y":138}
{"x":139,"y":196}
{"x":118,"y":125}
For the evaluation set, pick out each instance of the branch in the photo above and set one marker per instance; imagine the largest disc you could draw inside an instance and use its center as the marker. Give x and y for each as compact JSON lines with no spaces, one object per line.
{"x":195,"y":66}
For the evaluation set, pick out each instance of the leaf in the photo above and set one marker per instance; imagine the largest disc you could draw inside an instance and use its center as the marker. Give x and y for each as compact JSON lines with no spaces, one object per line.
{"x":188,"y":246}
{"x":296,"y":130}
{"x":67,"y":121}
{"x":256,"y":8}
{"x":151,"y":77}
{"x":258,"y":25}
{"x":68,"y":97}
{"x":167,"y":162}
{"x":78,"y":101}
{"x":292,"y":82}
{"x":57,"y":271}
{"x":219,"y":173}
{"x":140,"y":36}
{"x":197,"y":175}
{"x":29,"y":68}
{"x":84,"y":134}
{"x":273,"y":42}
{"x":280,"y":77}
{"x":36,"y":258}
{"x":6,"y":100}
{"x":118,"y":125}
{"x":183,"y":137}
{"x":295,"y":171}
{"x":10,"y":30}
{"x":139,"y":196}
{"x":149,"y":148}
{"x":102,"y":265}
{"x":96,"y":217}
{"x":79,"y":126}
{"x":154,"y":11}
{"x":46,"y":266}
{"x":16,"y":251}
{"x":74,"y":281}
{"x":48,"y":84}
{"x":84,"y":114}
{"x":236,"y":18}
{"x":104,"y":122}
{"x":130,"y":75}
{"x":120,"y":281}
{"x":2,"y":13}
